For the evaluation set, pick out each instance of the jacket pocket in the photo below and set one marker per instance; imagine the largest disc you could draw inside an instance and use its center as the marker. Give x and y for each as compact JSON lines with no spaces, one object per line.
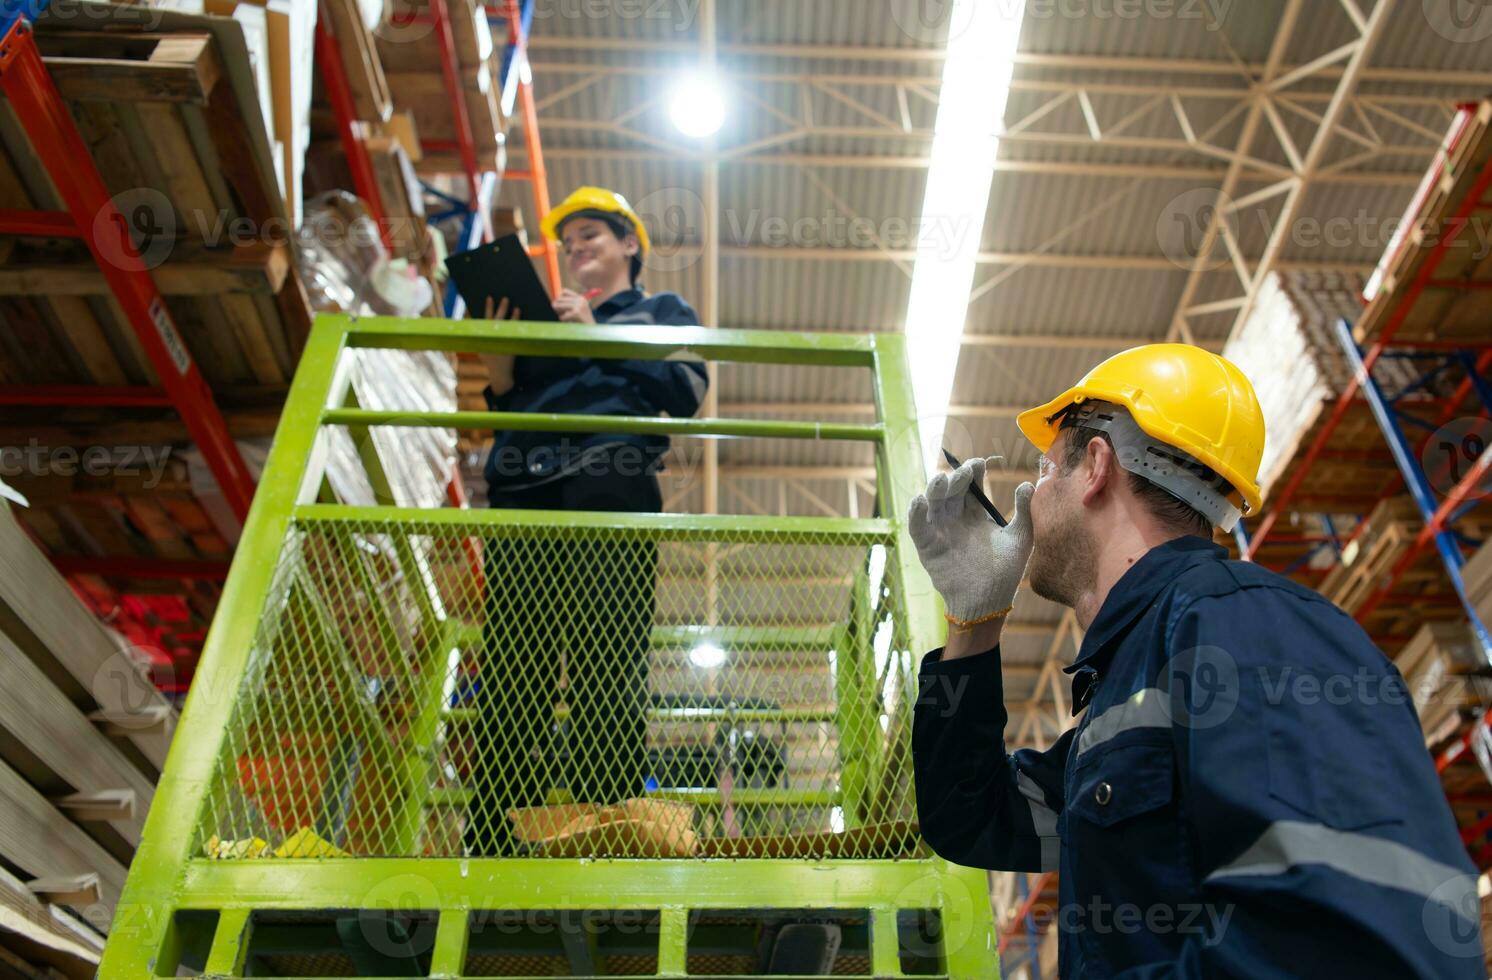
{"x":1122,"y":782}
{"x":1323,"y":764}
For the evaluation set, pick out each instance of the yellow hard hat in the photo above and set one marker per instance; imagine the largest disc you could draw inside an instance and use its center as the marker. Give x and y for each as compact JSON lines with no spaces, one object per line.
{"x":594,"y":199}
{"x":1182,"y":396}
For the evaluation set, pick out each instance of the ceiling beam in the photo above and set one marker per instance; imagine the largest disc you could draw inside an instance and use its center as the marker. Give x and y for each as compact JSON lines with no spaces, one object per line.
{"x":1050,"y":341}
{"x":1234,"y":91}
{"x":1036,"y":260}
{"x":1428,"y":76}
{"x":1045,"y":168}
{"x":1252,"y":272}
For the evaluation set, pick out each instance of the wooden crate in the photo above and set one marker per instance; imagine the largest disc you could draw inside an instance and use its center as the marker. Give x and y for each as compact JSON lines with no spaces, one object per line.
{"x":168,"y":134}
{"x":1353,"y":471}
{"x":1445,"y":674}
{"x":1440,"y":313}
{"x":411,"y":57}
{"x":1423,"y":593}
{"x":85,"y":734}
{"x":371,"y":95}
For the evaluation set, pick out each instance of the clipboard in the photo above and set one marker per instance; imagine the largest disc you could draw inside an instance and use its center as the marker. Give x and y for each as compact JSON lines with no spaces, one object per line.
{"x":501,"y":270}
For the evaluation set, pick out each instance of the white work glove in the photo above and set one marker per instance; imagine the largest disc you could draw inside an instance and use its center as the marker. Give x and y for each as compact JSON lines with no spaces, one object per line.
{"x":975,"y":564}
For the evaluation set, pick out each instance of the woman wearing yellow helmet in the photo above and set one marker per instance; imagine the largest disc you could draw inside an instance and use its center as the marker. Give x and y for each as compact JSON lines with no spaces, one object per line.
{"x":592,"y":600}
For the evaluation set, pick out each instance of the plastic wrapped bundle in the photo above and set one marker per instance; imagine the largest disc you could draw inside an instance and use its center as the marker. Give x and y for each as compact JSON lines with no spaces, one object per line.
{"x":346,"y":267}
{"x":347,"y":270}
{"x":1288,"y":348}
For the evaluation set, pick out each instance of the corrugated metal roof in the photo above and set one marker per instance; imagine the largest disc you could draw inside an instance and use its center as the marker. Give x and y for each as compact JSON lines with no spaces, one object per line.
{"x":775,"y":209}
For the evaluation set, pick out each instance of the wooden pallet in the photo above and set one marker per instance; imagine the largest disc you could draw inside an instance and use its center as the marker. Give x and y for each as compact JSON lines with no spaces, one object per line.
{"x":1442,"y":667}
{"x":167,"y":133}
{"x":1441,"y":314}
{"x":411,"y":57}
{"x":1352,"y":472}
{"x":1424,"y":592}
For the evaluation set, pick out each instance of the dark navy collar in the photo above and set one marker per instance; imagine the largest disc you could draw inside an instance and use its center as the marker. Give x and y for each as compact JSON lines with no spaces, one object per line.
{"x":617,"y":303}
{"x":1132,"y":595}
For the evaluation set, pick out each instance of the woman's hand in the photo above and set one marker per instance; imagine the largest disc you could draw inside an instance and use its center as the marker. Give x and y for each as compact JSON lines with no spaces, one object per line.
{"x":500,"y":311}
{"x":573,"y":307}
{"x":500,"y":366}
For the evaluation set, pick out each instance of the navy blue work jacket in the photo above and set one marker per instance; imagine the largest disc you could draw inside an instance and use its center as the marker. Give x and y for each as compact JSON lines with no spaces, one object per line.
{"x":1248,"y":795}
{"x":595,"y":386}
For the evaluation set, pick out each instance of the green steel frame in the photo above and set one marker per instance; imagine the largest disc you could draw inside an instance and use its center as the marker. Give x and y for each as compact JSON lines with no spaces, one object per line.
{"x":169,"y":875}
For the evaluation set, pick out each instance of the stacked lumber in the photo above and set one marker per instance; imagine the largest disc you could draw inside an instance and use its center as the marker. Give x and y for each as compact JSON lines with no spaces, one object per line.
{"x":283,"y":69}
{"x":1440,"y":312}
{"x":1423,"y":593}
{"x":83,"y":737}
{"x":172,"y":120}
{"x":410,"y":53}
{"x":353,"y":34}
{"x":48,"y":940}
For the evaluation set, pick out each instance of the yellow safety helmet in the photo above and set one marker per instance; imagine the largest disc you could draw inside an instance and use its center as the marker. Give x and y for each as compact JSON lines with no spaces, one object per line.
{"x":594,"y":199}
{"x":1182,"y":396}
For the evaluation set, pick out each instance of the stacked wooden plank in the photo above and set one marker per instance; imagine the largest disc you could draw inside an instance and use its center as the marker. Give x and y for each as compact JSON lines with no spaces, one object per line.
{"x":83,"y":737}
{"x":1442,"y":311}
{"x":410,"y":53}
{"x":1423,"y":593}
{"x":355,"y":42}
{"x":184,"y":152}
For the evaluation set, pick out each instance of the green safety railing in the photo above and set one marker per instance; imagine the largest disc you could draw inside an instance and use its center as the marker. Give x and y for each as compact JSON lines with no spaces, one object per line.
{"x":407,"y":719}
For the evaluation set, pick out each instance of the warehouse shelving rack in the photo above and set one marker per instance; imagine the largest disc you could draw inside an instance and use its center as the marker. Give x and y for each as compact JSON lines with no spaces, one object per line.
{"x":1465,"y":358}
{"x":201,"y":883}
{"x":92,"y":218}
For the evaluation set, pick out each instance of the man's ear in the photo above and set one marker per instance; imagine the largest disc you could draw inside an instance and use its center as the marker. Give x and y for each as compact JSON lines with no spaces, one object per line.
{"x":1103,"y":468}
{"x":631,"y":245}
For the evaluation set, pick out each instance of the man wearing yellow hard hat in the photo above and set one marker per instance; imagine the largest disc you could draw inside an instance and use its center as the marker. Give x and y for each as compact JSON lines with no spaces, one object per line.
{"x":586,"y":605}
{"x":1248,"y":793}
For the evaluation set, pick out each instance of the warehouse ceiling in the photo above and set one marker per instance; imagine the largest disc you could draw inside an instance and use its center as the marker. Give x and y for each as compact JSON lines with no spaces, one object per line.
{"x":1158,"y":160}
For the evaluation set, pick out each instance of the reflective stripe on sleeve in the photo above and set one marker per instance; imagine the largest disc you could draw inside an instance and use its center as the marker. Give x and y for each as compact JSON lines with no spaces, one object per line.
{"x":1043,"y":819}
{"x":1288,"y":844}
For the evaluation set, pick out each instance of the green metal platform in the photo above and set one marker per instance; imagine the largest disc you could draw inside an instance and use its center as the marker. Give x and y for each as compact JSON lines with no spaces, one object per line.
{"x":384,"y":687}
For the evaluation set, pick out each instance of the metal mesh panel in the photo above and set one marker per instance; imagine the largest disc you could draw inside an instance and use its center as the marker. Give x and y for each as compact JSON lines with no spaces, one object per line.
{"x":439,"y":689}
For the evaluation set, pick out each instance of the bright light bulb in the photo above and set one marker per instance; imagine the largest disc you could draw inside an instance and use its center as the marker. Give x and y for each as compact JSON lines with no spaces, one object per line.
{"x":707,"y":656}
{"x":697,"y":107}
